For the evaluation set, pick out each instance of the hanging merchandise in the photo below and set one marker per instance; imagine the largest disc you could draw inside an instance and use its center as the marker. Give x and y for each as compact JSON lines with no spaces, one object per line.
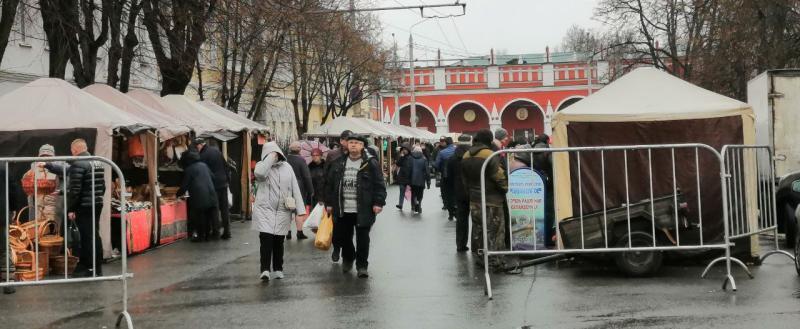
{"x":135,"y":147}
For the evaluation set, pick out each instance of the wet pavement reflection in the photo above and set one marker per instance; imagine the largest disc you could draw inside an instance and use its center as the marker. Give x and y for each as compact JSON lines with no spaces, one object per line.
{"x":417,"y":280}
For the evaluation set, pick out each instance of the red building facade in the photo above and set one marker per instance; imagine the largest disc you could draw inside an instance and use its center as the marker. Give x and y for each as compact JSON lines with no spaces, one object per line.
{"x":519,"y":98}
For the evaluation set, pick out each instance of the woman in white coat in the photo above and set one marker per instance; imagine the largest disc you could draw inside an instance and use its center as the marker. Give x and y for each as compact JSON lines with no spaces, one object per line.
{"x":277,"y":198}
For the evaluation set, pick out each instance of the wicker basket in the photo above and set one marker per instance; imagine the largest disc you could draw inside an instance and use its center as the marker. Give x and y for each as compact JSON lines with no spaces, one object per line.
{"x":26,"y":261}
{"x":18,"y":238}
{"x":46,"y":182}
{"x":30,"y":275}
{"x":57,"y":263}
{"x":49,"y":239}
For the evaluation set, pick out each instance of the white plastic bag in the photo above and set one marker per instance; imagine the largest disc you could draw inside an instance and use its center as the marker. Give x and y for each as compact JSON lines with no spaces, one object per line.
{"x":230,"y":198}
{"x":312,"y":222}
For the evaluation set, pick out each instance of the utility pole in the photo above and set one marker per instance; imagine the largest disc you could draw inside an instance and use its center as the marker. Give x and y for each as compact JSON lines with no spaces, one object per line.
{"x":413,"y":117}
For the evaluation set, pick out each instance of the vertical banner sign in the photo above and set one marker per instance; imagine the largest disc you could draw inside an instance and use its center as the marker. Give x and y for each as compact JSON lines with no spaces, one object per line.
{"x":526,"y":209}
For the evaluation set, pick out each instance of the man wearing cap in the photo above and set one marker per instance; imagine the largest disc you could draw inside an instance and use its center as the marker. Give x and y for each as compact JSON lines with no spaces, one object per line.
{"x":461,"y":195}
{"x":303,"y":175}
{"x":333,"y":155}
{"x":356,"y":194}
{"x":213,"y":158}
{"x":447,"y":185}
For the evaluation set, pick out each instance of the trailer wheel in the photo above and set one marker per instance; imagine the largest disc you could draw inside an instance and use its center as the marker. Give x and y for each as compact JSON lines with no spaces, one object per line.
{"x":638,"y":263}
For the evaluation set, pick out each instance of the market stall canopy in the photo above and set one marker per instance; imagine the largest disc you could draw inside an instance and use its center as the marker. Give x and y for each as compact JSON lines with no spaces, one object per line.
{"x":250,"y":124}
{"x":203,"y":121}
{"x":49,"y":103}
{"x":647,"y":107}
{"x":382,"y":128}
{"x":421,"y":134}
{"x":335,"y":127}
{"x":168,"y":127}
{"x":649,"y":94}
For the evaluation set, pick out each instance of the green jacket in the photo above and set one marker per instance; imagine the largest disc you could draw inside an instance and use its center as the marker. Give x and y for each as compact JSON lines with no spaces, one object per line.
{"x":496,"y":181}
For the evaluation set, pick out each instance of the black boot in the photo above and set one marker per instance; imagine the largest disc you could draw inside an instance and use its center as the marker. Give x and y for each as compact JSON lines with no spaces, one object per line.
{"x":301,"y":235}
{"x":335,"y":254}
{"x":289,"y":235}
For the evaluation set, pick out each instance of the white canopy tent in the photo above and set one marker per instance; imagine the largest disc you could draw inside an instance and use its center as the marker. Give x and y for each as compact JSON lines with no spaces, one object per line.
{"x":250,"y":124}
{"x":168,"y":127}
{"x":49,"y":109}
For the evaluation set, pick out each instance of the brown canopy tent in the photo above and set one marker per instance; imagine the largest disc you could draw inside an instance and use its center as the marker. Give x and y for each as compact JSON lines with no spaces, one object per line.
{"x":647,"y":106}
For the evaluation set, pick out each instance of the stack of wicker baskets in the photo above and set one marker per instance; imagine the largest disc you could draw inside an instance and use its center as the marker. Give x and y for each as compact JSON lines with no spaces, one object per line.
{"x":23,"y":238}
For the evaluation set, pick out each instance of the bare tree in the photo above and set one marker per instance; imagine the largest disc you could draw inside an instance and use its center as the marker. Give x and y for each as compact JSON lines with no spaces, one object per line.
{"x":125,"y":15}
{"x":9,"y":12}
{"x":352,"y":65}
{"x":718,"y":44}
{"x":248,"y":39}
{"x":176,"y":30}
{"x":76,"y":30}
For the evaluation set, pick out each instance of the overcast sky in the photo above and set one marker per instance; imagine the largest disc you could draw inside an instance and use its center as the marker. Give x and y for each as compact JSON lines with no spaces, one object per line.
{"x":510,"y":26}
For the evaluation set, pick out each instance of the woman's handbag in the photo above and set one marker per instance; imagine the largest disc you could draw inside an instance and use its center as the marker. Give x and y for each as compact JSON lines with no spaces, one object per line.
{"x":289,"y":203}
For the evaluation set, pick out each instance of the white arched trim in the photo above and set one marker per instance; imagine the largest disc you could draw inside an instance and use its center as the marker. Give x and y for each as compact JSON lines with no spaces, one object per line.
{"x":558,"y":108}
{"x":450,"y":110}
{"x":541,"y":109}
{"x":396,"y":118}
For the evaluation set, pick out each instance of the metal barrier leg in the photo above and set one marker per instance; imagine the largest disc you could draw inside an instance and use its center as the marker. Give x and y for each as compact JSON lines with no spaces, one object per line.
{"x":488,"y":290}
{"x":128,"y":321}
{"x":733,"y":259}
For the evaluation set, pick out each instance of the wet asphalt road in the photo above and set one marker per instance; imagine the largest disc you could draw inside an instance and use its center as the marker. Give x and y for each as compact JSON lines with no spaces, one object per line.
{"x":417,"y":281}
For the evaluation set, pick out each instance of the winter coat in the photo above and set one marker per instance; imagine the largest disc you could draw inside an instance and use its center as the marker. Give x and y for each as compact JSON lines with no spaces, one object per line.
{"x":442,"y":157}
{"x":198,"y":182}
{"x":455,"y":171}
{"x":213,"y":158}
{"x":404,"y":174}
{"x":419,"y":174}
{"x":370,"y":186}
{"x":317,"y":172}
{"x":275,"y":180}
{"x":303,"y":176}
{"x":81,"y":179}
{"x":496,"y":180}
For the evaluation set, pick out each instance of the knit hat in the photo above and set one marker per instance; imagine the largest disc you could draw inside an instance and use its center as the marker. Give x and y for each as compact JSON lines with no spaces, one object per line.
{"x":500,"y":133}
{"x":464,"y":139}
{"x":47,"y":150}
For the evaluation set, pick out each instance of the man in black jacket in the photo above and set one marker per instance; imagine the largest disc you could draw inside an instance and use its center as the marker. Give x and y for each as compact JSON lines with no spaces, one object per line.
{"x":202,"y":204}
{"x":356,"y":194}
{"x":303,"y":175}
{"x":333,"y":155}
{"x":461,"y":196}
{"x":85,"y":192}
{"x":215,"y":161}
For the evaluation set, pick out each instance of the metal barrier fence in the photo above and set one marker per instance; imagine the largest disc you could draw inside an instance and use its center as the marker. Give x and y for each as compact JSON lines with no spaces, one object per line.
{"x":751,"y":189}
{"x":97,"y":163}
{"x":630,"y":200}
